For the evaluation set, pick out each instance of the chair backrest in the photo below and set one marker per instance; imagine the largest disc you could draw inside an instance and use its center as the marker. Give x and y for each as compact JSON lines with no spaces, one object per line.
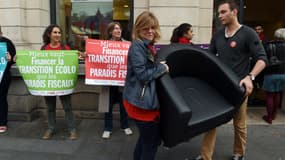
{"x":186,"y":60}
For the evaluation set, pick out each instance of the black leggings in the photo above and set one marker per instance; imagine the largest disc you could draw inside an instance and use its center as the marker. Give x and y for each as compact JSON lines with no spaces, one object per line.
{"x":4,"y":86}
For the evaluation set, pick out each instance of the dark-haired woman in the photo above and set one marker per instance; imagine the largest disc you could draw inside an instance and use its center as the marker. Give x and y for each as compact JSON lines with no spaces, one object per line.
{"x":182,"y":34}
{"x":52,"y":41}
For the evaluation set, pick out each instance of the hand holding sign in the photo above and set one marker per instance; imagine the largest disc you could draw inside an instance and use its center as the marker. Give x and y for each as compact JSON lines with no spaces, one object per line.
{"x":8,"y":56}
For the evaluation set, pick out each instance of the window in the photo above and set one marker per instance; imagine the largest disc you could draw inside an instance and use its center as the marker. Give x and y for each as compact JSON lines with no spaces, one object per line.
{"x":81,"y":19}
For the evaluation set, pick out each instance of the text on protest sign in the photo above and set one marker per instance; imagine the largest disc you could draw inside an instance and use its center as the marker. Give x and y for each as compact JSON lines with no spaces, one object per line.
{"x":49,"y":73}
{"x":106,"y":62}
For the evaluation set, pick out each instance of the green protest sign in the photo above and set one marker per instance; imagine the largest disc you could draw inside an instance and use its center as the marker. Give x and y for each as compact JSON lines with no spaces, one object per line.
{"x":48,"y":73}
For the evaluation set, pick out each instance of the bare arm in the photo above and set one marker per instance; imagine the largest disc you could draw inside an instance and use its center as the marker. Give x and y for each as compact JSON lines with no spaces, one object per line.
{"x":258,"y":67}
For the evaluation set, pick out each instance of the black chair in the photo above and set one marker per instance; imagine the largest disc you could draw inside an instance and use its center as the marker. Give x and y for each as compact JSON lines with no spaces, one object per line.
{"x":199,"y":93}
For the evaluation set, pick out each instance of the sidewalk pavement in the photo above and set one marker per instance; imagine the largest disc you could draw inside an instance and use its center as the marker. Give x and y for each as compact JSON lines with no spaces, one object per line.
{"x":22,"y":142}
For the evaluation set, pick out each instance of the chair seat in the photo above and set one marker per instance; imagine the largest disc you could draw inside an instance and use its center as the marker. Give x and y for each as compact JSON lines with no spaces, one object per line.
{"x":208,"y":107}
{"x":205,"y":102}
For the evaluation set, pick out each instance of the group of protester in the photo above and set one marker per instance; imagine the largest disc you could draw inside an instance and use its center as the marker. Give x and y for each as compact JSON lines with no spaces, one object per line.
{"x":234,"y":45}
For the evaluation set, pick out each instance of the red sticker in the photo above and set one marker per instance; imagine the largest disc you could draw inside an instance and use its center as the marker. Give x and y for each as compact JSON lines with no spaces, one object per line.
{"x":233,"y":44}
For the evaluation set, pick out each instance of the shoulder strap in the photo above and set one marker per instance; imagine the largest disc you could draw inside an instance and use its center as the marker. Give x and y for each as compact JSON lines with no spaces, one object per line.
{"x":274,"y":49}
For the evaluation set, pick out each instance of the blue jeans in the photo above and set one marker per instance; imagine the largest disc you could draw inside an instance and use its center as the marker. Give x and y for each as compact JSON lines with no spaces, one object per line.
{"x":115,"y":96}
{"x":148,"y":140}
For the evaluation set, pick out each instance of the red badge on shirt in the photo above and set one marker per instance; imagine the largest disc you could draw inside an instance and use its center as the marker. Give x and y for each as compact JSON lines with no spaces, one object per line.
{"x":233,"y":44}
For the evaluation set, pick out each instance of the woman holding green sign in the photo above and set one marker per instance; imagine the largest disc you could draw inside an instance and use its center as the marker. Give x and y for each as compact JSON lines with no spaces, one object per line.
{"x":52,"y":41}
{"x":5,"y":79}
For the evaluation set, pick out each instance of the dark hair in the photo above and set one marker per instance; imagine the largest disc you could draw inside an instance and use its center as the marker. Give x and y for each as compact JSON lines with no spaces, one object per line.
{"x":47,"y":32}
{"x":179,"y":31}
{"x":232,"y":4}
{"x":111,"y":27}
{"x":257,"y":25}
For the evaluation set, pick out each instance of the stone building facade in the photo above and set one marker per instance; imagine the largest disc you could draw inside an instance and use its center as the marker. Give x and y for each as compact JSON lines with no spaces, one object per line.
{"x":23,"y":21}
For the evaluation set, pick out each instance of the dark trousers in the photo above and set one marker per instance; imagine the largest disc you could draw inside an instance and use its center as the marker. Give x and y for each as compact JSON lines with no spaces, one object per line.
{"x":4,"y":86}
{"x":148,"y":140}
{"x":51,"y":111}
{"x":115,"y":96}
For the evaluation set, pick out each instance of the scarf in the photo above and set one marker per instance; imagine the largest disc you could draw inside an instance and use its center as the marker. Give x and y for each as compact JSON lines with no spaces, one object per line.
{"x":183,"y":40}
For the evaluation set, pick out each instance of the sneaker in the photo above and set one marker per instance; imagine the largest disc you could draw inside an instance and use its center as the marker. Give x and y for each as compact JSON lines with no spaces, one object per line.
{"x":106,"y":134}
{"x":128,"y":131}
{"x":47,"y":135}
{"x":198,"y":158}
{"x":237,"y":157}
{"x":3,"y":129}
{"x":73,"y":135}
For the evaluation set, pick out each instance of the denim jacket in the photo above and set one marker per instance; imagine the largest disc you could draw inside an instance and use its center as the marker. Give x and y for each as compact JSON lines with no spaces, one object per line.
{"x":142,"y":71}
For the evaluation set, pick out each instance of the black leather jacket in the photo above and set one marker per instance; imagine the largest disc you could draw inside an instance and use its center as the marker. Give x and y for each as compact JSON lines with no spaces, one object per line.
{"x":280,"y":53}
{"x":142,"y":70}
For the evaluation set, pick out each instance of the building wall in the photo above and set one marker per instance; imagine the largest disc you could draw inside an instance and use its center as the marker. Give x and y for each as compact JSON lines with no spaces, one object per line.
{"x":171,"y":13}
{"x":23,"y":21}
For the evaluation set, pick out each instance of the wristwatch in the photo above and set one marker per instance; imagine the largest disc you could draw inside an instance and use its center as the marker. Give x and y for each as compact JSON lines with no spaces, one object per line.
{"x":252,"y":76}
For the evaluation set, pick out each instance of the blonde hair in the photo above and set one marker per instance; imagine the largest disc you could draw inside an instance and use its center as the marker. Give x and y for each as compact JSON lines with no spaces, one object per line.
{"x":146,"y":19}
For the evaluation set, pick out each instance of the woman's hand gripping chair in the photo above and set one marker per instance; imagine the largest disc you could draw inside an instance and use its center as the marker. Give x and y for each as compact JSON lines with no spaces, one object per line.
{"x":199,"y":93}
